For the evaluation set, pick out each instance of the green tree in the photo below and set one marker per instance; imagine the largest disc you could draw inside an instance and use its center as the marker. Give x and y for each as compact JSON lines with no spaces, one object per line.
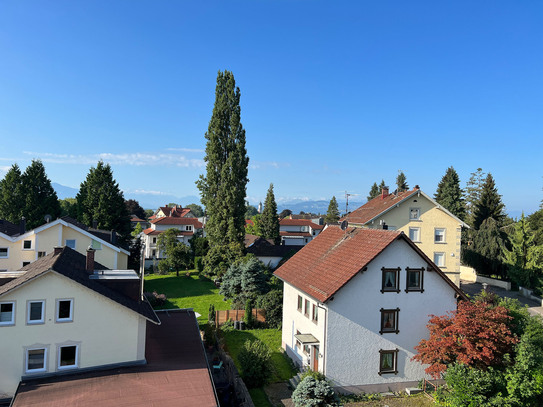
{"x":333,"y":212}
{"x":223,"y":188}
{"x":269,"y":222}
{"x":133,"y":207}
{"x":101,"y":200}
{"x":255,"y":362}
{"x":489,"y":205}
{"x":314,"y":393}
{"x":401,"y":182}
{"x":374,"y":191}
{"x":486,"y":254}
{"x":251,"y":211}
{"x":256,"y":227}
{"x":473,"y":190}
{"x":137,"y":231}
{"x":536,"y":223}
{"x":450,"y":195}
{"x":68,"y":207}
{"x":11,"y":198}
{"x":247,"y":278}
{"x":196,"y":210}
{"x":40,"y":199}
{"x":177,"y":254}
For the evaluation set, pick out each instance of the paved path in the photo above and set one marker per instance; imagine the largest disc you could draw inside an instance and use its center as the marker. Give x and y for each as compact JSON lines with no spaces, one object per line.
{"x":472,"y":289}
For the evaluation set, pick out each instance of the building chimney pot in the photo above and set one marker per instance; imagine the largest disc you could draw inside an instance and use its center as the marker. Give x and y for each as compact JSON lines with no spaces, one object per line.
{"x":89,"y":267}
{"x":95,"y":224}
{"x":384,"y":193}
{"x":57,"y":250}
{"x":417,"y":187}
{"x":113,"y":236}
{"x":22,"y":226}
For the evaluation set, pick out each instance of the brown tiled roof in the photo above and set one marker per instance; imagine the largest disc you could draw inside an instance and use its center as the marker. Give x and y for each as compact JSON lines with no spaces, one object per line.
{"x":250,"y":239}
{"x":8,"y":228}
{"x":151,"y":231}
{"x":176,"y":374}
{"x":330,"y":260}
{"x":175,"y":211}
{"x":178,"y":221}
{"x":294,"y":233}
{"x":72,"y":264}
{"x":134,"y":218}
{"x":300,"y":222}
{"x":376,"y":206}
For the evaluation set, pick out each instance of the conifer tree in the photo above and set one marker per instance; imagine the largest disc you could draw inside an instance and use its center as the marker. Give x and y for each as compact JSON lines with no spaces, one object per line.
{"x":100,"y":200}
{"x":40,"y":199}
{"x":223,"y":188}
{"x":474,"y":186}
{"x":374,"y":191}
{"x":11,"y":199}
{"x":401,"y":182}
{"x":332,"y":215}
{"x":381,"y":186}
{"x":489,"y":204}
{"x":449,"y":194}
{"x":269,"y":222}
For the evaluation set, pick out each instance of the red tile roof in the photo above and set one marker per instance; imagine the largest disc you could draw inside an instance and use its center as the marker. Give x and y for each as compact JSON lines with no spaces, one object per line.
{"x":174,"y":211}
{"x":178,"y":221}
{"x":300,"y":222}
{"x":330,"y":260}
{"x":377,"y":206}
{"x":294,"y":233}
{"x":134,"y":218}
{"x":151,"y":231}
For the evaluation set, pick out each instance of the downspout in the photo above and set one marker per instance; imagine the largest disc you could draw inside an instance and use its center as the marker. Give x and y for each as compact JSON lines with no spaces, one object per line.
{"x":324,"y":339}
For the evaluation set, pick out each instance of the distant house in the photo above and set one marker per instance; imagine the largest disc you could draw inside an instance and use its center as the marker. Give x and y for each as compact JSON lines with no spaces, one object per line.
{"x":19,"y":247}
{"x":267,"y":252}
{"x":298,"y":232}
{"x":134,"y":221}
{"x":356,"y":303}
{"x":172,"y":211}
{"x":67,"y":313}
{"x":432,"y":227}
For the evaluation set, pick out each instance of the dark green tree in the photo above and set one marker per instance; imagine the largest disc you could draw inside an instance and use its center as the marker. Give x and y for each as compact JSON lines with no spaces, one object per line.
{"x":450,"y":195}
{"x":11,"y":198}
{"x":489,"y":205}
{"x":332,"y":215}
{"x":255,"y":362}
{"x":196,"y":210}
{"x":133,"y":207}
{"x":486,"y":254}
{"x":223,"y":188}
{"x":40,"y":199}
{"x":251,"y":211}
{"x":401,"y":182}
{"x":536,"y":223}
{"x":285,"y":213}
{"x":473,"y":190}
{"x":374,"y":191}
{"x":100,"y":200}
{"x":269,"y":222}
{"x":68,"y":207}
{"x":177,"y":255}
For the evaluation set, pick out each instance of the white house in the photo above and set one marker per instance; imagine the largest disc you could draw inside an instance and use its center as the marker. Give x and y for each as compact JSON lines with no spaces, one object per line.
{"x":68,"y":314}
{"x":356,"y":303}
{"x":298,"y":232}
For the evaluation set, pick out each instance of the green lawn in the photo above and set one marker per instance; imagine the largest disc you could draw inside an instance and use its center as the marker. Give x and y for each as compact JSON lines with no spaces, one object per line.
{"x":234,"y":341}
{"x":187,"y":292}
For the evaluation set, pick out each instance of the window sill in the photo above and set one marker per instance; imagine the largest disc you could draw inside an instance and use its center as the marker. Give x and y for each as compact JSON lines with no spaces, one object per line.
{"x":35,"y":322}
{"x":7,"y":324}
{"x":440,"y":242}
{"x":395,"y":372}
{"x":414,"y":290}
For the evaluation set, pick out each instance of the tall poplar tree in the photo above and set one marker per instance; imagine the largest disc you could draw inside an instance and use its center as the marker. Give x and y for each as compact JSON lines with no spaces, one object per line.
{"x":401,"y":182}
{"x":100,"y":200}
{"x":269,"y":222}
{"x":223,"y":188}
{"x":473,"y":190}
{"x":449,"y":194}
{"x":11,"y":199}
{"x":333,"y":211}
{"x":39,"y":197}
{"x":489,"y":205}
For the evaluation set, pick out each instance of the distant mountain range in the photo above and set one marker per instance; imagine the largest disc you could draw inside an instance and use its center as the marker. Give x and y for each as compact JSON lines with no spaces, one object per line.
{"x":151,"y":201}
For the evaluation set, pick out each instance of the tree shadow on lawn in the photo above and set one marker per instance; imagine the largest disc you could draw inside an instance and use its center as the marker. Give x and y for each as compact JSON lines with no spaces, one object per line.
{"x":182,"y":286}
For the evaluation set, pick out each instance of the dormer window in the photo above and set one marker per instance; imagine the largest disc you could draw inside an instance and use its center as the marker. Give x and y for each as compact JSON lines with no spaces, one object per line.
{"x":188,"y":228}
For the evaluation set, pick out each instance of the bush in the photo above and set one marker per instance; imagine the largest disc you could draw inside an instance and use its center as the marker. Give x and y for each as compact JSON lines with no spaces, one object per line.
{"x":272,"y":303}
{"x":314,"y":374}
{"x":227,"y":326}
{"x":211,"y":314}
{"x":255,"y":362}
{"x":248,"y":317}
{"x":198,"y":264}
{"x":155,"y":299}
{"x":209,"y":335}
{"x":314,"y":393}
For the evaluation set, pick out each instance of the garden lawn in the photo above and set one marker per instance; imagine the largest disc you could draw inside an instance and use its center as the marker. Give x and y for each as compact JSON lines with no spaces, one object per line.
{"x":234,"y":341}
{"x":187,"y":292}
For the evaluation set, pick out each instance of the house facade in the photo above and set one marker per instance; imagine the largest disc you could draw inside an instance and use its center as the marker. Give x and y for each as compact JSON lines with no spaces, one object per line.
{"x":298,"y":232}
{"x":61,"y":316}
{"x":357,"y":302}
{"x":435,"y":230}
{"x":19,"y":247}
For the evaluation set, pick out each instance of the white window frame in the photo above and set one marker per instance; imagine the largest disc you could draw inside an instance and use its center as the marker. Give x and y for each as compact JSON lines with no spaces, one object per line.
{"x":7,"y":253}
{"x":411,"y":213}
{"x":57,"y":309}
{"x":417,"y":230}
{"x":27,"y":248}
{"x":71,"y":240}
{"x":188,"y":228}
{"x":12,"y":322}
{"x":444,"y":230}
{"x":439,"y":255}
{"x":44,"y":368}
{"x":67,"y":345}
{"x":37,"y":321}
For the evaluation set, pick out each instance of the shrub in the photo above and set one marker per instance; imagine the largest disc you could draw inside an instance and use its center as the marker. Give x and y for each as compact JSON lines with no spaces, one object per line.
{"x":211,"y":314}
{"x":198,"y":264}
{"x":248,"y":317}
{"x":155,"y":299}
{"x":314,"y":374}
{"x":314,"y":393}
{"x":255,"y":362}
{"x":272,"y":303}
{"x":227,"y":326}
{"x":209,"y":335}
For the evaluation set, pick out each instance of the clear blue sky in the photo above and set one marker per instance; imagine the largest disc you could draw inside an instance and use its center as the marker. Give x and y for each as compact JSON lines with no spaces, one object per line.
{"x":335,"y":95}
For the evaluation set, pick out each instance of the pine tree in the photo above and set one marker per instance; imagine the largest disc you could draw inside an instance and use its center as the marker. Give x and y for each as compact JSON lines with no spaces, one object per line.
{"x":401,"y":182}
{"x":269,"y":222}
{"x":489,"y":204}
{"x":223,"y":188}
{"x":381,"y":186}
{"x":487,"y":253}
{"x":374,"y":191}
{"x":449,"y":194}
{"x":11,"y":199}
{"x":40,"y":199}
{"x":101,"y":201}
{"x":332,"y":215}
{"x":473,"y":190}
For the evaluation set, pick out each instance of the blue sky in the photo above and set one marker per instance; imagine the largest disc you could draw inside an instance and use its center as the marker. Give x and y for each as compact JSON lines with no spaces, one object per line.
{"x":334,"y":95}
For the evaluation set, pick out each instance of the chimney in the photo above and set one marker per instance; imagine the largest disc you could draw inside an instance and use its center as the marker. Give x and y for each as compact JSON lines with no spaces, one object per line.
{"x":417,"y":187}
{"x":384,"y":193}
{"x":57,"y":250}
{"x":89,"y":267}
{"x":22,"y":226}
{"x":95,"y":224}
{"x":113,"y":237}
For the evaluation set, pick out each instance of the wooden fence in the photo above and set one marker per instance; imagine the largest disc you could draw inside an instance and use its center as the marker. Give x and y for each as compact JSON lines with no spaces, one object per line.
{"x":237,"y":315}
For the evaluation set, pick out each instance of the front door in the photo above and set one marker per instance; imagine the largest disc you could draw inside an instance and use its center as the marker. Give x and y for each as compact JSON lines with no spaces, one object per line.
{"x":316,"y":358}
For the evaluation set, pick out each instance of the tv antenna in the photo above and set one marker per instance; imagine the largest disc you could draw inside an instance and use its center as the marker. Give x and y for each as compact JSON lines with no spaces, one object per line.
{"x":347,"y":195}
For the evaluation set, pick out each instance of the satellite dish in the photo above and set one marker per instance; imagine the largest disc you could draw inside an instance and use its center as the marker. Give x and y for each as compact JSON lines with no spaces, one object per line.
{"x":47,"y":218}
{"x":344,"y":225}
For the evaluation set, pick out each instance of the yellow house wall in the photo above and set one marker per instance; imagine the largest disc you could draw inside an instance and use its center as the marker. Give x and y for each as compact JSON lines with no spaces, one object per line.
{"x":16,"y":254}
{"x":105,"y":331}
{"x":431,"y":218}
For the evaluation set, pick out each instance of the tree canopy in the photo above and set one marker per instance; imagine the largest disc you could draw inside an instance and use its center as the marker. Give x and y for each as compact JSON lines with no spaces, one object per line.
{"x":223,"y":188}
{"x":401,"y":182}
{"x":450,"y":195}
{"x":177,"y":255}
{"x":196,"y":209}
{"x":269,"y":222}
{"x":332,"y":215}
{"x":489,"y":205}
{"x":374,"y":191}
{"x":11,"y":198}
{"x":133,"y":207}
